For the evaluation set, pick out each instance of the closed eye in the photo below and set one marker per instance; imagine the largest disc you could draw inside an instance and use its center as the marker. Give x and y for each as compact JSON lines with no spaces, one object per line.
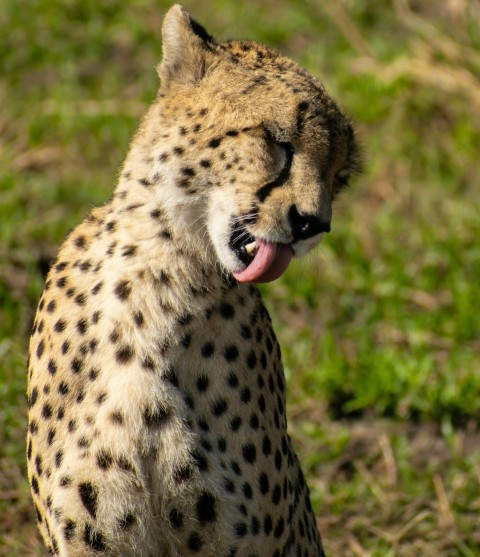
{"x":263,"y":192}
{"x":340,"y":180}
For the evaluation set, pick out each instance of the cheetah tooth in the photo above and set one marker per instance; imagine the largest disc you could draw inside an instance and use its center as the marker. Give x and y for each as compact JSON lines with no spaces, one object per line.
{"x":250,"y":248}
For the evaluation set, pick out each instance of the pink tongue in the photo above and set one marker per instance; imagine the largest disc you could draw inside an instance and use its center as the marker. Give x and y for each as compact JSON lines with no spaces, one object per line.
{"x":270,"y":261}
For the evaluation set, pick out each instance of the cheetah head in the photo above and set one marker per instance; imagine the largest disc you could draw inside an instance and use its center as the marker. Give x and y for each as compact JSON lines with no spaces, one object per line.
{"x":264,"y":148}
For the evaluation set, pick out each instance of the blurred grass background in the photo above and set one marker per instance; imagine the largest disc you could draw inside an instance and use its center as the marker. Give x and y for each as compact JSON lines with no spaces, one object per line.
{"x":379,"y":329}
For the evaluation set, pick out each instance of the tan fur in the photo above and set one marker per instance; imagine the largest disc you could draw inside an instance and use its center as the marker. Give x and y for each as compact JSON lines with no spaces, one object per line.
{"x":157,"y":405}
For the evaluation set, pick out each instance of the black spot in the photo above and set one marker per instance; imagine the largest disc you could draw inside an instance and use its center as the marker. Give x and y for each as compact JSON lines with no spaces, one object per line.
{"x":280,"y":526}
{"x":122,"y":290}
{"x":148,"y":363}
{"x":195,"y":542}
{"x":255,"y":526}
{"x":76,"y":365}
{"x":34,"y":484}
{"x":202,"y":383}
{"x":222,"y":445}
{"x":111,"y":226}
{"x":51,"y":306}
{"x":235,"y":423}
{"x":267,"y":524}
{"x":154,"y":417}
{"x":80,"y":242}
{"x":65,"y":481}
{"x":117,"y":418}
{"x":69,"y":530}
{"x":33,"y":397}
{"x":188,"y":171}
{"x":60,"y":326}
{"x":171,"y":376}
{"x":247,"y":490}
{"x":227,"y":311}
{"x":47,"y":411}
{"x":82,"y":326}
{"x":96,"y":316}
{"x":124,"y":464}
{"x":63,"y":388}
{"x":124,"y":354}
{"x":230,"y":353}
{"x":203,"y":424}
{"x":254,"y":423}
{"x":215,"y":142}
{"x":278,"y":460}
{"x":232,"y":133}
{"x":176,"y":518}
{"x":245,"y":394}
{"x":94,"y":539}
{"x":229,"y":485}
{"x":33,"y":427}
{"x":61,"y":266}
{"x":207,"y":350}
{"x":88,"y":495}
{"x":138,"y":318}
{"x":85,"y":265}
{"x":114,"y":336}
{"x":220,"y":407}
{"x":178,"y":150}
{"x":38,"y":515}
{"x":104,"y":460}
{"x":263,"y":483}
{"x":129,"y":251}
{"x":205,"y":163}
{"x":261,"y":403}
{"x":232,"y":380}
{"x":240,"y":529}
{"x":101,"y":398}
{"x":80,"y":299}
{"x":251,"y":359}
{"x":249,"y":452}
{"x":93,"y":374}
{"x":51,"y":436}
{"x":186,"y":339}
{"x":182,"y":473}
{"x":127,"y":520}
{"x":144,"y":182}
{"x":96,"y":289}
{"x":200,"y":460}
{"x":276,"y":494}
{"x":205,"y":508}
{"x":235,"y":467}
{"x":40,"y":349}
{"x":38,"y":465}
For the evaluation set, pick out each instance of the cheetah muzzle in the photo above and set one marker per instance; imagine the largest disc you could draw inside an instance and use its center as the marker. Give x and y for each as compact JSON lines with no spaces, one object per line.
{"x":156,"y":393}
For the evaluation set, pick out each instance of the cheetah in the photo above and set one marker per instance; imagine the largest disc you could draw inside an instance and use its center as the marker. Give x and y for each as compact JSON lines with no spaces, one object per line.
{"x":157,"y":424}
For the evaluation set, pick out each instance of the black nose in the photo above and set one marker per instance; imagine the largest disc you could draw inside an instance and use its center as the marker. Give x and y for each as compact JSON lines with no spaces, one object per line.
{"x":304,"y":225}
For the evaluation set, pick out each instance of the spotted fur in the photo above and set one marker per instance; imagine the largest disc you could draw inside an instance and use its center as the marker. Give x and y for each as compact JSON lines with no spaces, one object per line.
{"x":156,"y":391}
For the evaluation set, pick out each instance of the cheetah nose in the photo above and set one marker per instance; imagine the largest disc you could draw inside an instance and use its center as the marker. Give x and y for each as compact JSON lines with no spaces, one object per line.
{"x":305,"y":225}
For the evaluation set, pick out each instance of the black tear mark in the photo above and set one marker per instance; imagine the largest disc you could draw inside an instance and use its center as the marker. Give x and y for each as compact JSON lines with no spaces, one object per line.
{"x":263,"y":192}
{"x":88,"y":495}
{"x":94,"y":539}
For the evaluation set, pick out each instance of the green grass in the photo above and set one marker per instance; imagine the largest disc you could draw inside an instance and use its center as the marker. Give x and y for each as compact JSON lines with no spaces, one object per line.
{"x":379,"y":329}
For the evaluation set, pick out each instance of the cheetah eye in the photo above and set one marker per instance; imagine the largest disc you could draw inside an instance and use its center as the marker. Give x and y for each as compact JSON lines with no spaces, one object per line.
{"x":283,"y":174}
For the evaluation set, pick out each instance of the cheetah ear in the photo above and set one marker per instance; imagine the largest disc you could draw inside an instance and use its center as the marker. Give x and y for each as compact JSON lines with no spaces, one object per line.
{"x":187,"y":48}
